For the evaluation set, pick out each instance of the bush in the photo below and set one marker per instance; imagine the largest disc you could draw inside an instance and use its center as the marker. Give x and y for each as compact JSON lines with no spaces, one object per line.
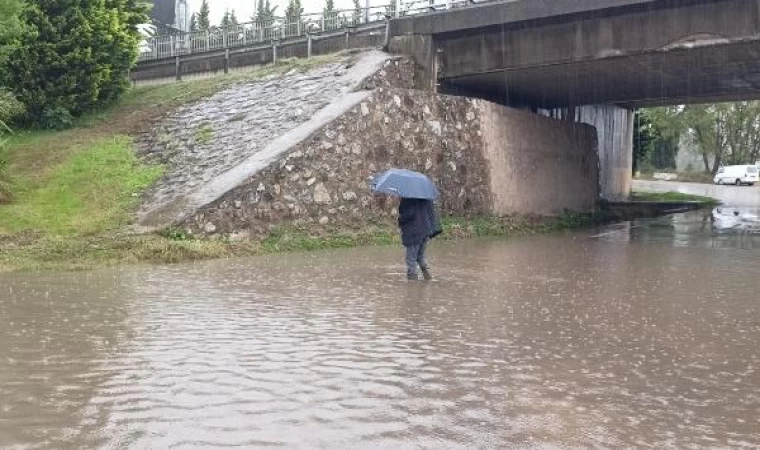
{"x":72,"y":57}
{"x":5,"y":186}
{"x":10,"y":109}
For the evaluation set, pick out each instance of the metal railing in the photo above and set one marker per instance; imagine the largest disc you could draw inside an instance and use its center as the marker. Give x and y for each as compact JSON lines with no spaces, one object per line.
{"x":283,"y":28}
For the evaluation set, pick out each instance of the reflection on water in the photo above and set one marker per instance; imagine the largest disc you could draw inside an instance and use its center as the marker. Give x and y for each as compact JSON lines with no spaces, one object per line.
{"x":611,"y":338}
{"x":742,"y":220}
{"x":723,"y":227}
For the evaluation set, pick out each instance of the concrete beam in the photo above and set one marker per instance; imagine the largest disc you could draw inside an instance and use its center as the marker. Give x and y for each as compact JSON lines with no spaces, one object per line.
{"x":703,"y":75}
{"x":699,"y":51}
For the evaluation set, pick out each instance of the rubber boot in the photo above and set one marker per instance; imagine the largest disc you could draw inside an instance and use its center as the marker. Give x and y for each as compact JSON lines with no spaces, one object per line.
{"x":412,"y":276}
{"x":426,"y":274}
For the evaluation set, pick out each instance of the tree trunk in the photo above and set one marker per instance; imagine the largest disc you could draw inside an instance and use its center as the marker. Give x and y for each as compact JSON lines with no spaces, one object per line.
{"x":716,"y":163}
{"x":718,"y":148}
{"x":706,"y":161}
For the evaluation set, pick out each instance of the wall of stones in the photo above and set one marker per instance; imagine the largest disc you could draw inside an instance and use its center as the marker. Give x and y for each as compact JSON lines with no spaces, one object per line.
{"x":323,"y":182}
{"x":486,"y":159}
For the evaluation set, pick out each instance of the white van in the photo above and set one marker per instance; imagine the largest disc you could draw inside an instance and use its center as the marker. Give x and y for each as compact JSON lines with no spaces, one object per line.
{"x":737,"y":175}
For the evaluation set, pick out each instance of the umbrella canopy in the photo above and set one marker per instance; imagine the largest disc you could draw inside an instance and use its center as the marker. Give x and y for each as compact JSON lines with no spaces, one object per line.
{"x":404,"y":183}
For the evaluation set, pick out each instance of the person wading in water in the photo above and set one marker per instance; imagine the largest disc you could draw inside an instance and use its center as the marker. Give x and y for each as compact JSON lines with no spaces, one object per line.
{"x":419,"y":223}
{"x":416,"y":213}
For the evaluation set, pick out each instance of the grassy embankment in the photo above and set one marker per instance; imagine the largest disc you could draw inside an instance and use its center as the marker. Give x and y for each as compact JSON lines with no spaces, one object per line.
{"x":672,"y":197}
{"x":32,"y":251}
{"x":74,"y":191}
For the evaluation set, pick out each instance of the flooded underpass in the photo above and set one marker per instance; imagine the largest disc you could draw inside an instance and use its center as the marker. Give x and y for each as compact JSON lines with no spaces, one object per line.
{"x":641,"y":334}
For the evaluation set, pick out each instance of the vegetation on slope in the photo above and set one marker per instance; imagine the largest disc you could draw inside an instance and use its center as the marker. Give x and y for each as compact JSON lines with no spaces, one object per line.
{"x":60,"y":186}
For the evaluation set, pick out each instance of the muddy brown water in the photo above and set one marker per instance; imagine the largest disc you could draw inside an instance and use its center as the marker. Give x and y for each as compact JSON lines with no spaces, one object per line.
{"x":642,"y":334}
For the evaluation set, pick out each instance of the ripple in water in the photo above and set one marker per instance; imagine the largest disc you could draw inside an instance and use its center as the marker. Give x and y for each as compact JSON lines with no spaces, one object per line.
{"x":546,"y":342}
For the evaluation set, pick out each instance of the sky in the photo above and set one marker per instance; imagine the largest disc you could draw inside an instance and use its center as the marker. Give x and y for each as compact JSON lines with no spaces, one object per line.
{"x":244,"y":8}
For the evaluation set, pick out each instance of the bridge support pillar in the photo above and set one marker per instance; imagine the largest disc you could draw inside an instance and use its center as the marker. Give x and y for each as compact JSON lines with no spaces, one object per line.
{"x":614,"y":129}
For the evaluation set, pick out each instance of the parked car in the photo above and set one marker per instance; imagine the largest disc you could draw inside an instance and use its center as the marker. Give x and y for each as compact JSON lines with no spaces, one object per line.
{"x":738,"y":175}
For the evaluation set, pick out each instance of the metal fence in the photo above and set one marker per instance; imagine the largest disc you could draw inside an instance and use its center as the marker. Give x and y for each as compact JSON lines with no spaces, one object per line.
{"x":283,"y":28}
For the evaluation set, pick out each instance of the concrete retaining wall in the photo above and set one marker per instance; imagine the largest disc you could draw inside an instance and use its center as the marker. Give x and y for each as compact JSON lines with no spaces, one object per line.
{"x":539,"y":165}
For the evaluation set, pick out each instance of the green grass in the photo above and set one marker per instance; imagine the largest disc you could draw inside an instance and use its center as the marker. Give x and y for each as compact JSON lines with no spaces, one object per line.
{"x":674,"y":197}
{"x":34,"y":251}
{"x":82,"y":180}
{"x":6,"y":190}
{"x":92,"y":191}
{"x":204,"y":134}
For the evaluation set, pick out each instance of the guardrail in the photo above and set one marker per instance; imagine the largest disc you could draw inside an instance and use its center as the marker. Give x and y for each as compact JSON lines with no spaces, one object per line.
{"x":283,"y":28}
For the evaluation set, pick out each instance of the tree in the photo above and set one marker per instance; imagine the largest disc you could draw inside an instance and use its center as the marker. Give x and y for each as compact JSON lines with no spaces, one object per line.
{"x":10,"y":26}
{"x":724,"y":133}
{"x":264,"y":18}
{"x":643,"y":139}
{"x":203,"y":17}
{"x":194,"y":22}
{"x":88,"y":51}
{"x":294,"y":10}
{"x":233,"y":18}
{"x":265,"y":12}
{"x":293,"y":16}
{"x":226,"y":18}
{"x":652,"y":147}
{"x":10,"y":107}
{"x":9,"y":17}
{"x":357,"y":12}
{"x":330,"y":15}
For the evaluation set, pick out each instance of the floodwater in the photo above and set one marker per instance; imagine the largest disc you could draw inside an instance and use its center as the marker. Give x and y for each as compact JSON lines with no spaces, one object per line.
{"x":642,"y":334}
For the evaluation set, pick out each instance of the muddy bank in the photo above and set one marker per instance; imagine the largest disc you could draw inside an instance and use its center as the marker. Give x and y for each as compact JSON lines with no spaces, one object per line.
{"x":35,"y":252}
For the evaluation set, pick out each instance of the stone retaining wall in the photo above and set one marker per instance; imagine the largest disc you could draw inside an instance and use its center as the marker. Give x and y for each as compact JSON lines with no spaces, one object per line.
{"x":484,"y":157}
{"x":323,"y":181}
{"x":202,"y":141}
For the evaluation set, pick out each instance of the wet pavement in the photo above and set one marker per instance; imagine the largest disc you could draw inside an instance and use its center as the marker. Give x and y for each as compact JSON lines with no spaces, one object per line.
{"x":643,"y":334}
{"x":730,"y":195}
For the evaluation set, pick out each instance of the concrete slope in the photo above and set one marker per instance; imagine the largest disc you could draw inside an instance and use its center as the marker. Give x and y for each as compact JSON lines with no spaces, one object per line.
{"x":212,"y":146}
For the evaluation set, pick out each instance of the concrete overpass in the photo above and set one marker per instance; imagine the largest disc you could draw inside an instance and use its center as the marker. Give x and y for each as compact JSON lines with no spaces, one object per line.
{"x":558,"y":53}
{"x":591,"y":61}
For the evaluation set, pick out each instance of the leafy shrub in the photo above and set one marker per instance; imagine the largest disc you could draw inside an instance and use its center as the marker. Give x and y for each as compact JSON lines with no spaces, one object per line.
{"x":5,"y":187}
{"x":72,"y":57}
{"x":10,"y":109}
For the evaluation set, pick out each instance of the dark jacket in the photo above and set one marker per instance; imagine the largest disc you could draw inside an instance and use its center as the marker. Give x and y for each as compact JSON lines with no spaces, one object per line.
{"x":417,"y":220}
